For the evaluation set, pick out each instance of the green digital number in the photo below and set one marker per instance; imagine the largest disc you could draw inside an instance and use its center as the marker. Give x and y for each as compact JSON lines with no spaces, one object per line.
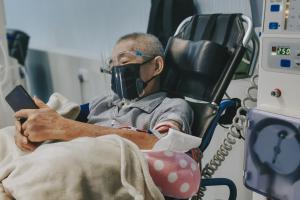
{"x":285,"y":51}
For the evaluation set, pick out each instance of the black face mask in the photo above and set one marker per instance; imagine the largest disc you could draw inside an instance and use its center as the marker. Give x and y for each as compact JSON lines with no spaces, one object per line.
{"x":126,"y":81}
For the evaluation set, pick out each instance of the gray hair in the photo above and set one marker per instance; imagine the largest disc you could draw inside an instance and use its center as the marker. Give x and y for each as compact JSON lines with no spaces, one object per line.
{"x":148,"y":42}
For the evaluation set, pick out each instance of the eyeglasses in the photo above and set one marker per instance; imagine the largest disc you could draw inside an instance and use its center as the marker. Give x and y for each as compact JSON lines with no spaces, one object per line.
{"x":123,"y":57}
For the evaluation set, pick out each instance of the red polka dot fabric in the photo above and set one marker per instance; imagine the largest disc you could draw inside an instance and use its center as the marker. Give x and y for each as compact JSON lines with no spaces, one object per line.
{"x":175,"y":174}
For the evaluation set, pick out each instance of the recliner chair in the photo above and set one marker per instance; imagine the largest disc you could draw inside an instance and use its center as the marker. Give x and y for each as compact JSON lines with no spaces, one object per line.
{"x":201,"y":60}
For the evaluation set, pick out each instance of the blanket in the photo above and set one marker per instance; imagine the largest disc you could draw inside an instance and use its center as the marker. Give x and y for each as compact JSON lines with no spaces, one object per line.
{"x":106,"y":167}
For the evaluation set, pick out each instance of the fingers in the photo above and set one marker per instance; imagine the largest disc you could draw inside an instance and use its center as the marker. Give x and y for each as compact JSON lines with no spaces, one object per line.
{"x":40,"y":125}
{"x":24,"y":127}
{"x":18,"y":126}
{"x":40,"y":103}
{"x":22,"y":141}
{"x":24,"y":113}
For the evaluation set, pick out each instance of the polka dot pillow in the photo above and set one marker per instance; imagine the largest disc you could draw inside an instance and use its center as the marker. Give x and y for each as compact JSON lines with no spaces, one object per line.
{"x":175,"y":174}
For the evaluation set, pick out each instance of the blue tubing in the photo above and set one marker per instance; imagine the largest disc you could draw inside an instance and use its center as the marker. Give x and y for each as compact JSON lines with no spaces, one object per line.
{"x":219,"y":182}
{"x":209,"y":134}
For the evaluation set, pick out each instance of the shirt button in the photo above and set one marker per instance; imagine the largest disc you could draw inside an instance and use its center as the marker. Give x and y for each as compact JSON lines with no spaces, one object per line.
{"x":113,"y":122}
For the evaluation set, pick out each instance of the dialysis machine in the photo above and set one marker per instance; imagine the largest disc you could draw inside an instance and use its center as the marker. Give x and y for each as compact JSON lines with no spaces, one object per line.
{"x":272,"y":158}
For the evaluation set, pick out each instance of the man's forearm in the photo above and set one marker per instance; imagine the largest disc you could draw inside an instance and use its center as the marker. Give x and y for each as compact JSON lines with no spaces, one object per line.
{"x":76,"y":129}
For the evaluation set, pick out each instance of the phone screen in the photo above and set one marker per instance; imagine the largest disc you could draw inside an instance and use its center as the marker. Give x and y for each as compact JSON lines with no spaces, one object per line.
{"x":19,"y":99}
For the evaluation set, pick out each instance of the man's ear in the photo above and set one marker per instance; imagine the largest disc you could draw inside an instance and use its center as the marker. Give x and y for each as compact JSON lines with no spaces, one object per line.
{"x":159,"y":65}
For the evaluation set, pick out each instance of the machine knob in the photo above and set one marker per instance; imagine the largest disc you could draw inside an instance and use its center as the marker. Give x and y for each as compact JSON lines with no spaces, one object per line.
{"x":276,"y":93}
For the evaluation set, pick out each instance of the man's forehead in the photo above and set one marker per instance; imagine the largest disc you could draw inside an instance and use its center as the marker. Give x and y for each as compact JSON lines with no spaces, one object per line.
{"x":126,"y":45}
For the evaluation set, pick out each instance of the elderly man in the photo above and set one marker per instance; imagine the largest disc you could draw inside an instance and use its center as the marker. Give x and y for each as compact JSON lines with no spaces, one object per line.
{"x":83,"y":165}
{"x":135,"y":65}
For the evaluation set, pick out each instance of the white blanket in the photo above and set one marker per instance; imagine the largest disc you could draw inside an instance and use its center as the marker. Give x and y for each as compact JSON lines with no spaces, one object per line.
{"x":106,"y":167}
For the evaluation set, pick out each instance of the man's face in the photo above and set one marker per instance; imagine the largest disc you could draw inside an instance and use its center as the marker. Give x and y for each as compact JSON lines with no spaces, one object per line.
{"x":125,"y":52}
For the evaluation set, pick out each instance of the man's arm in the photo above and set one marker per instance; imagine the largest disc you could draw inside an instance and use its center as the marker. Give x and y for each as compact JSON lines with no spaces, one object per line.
{"x":73,"y":129}
{"x":46,"y":124}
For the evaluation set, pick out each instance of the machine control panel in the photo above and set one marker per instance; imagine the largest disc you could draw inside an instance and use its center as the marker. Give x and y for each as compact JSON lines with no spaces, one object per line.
{"x":279,"y":68}
{"x":281,"y":56}
{"x":282,"y":16}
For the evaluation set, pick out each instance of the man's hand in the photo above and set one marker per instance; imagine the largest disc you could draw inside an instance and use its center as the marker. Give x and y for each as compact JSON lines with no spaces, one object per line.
{"x":45,"y":124}
{"x":41,"y":124}
{"x":21,"y":141}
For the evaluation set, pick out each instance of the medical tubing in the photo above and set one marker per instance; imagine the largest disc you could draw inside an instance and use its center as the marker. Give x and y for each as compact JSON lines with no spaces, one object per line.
{"x":5,"y":62}
{"x":3,"y":69}
{"x":236,"y":131}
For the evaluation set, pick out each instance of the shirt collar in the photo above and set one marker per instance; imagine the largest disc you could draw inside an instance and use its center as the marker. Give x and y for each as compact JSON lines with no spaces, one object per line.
{"x":147,"y":103}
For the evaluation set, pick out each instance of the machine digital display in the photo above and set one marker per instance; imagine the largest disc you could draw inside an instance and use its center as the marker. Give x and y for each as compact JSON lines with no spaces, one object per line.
{"x":283,"y":51}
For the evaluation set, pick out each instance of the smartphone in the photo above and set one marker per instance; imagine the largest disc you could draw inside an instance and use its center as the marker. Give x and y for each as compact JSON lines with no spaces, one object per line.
{"x":19,"y":99}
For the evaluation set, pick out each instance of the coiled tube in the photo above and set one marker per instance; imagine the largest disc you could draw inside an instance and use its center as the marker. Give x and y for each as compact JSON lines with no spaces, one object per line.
{"x":236,"y":131}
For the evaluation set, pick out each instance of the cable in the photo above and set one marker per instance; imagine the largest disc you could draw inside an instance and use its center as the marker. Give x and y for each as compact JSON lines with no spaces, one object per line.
{"x":4,"y":78}
{"x":223,"y":126}
{"x":3,"y":68}
{"x":227,"y":96}
{"x":81,"y":84}
{"x":236,"y":131}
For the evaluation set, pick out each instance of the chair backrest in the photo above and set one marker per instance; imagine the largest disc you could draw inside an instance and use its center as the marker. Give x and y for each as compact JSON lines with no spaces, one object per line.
{"x":200,"y":62}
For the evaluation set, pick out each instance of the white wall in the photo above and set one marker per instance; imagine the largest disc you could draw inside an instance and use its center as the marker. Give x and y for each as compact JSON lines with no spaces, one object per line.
{"x":76,"y":27}
{"x":66,"y":69}
{"x":224,"y":6}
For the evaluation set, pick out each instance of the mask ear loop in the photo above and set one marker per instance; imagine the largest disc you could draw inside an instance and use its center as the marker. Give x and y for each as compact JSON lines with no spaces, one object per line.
{"x":140,"y":85}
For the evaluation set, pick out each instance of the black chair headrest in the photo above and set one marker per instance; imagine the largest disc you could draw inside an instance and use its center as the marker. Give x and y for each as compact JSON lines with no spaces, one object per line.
{"x":202,"y":62}
{"x":196,"y":57}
